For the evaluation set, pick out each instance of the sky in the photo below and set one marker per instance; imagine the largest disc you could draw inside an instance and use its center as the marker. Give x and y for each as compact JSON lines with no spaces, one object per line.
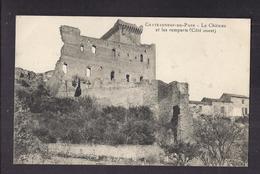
{"x":212,"y":63}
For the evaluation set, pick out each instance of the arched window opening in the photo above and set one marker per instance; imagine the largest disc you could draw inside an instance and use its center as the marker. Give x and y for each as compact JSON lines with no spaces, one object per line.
{"x":112,"y":75}
{"x":65,"y":68}
{"x":88,"y":72}
{"x":175,"y":120}
{"x":127,"y":77}
{"x":93,"y":49}
{"x":246,"y":111}
{"x":141,"y":58}
{"x":81,"y":47}
{"x":114,"y":52}
{"x":141,"y":78}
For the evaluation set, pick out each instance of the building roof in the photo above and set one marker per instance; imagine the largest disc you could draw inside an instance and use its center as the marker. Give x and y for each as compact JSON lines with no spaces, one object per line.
{"x":210,"y":100}
{"x":119,"y":23}
{"x":233,"y":95}
{"x":225,"y":98}
{"x":205,"y":99}
{"x":198,"y":102}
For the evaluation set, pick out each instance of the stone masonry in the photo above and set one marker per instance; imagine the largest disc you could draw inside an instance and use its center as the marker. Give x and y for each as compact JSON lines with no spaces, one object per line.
{"x":119,"y":70}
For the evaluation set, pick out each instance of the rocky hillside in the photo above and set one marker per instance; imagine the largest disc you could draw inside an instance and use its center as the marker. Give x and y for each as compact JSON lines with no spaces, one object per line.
{"x":28,"y":78}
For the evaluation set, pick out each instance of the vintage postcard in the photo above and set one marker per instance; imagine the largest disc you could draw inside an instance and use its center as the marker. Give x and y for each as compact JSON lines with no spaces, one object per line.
{"x":131,"y":91}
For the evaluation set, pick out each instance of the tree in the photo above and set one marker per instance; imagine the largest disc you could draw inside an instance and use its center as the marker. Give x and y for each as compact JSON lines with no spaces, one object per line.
{"x":244,"y":153}
{"x":181,"y":152}
{"x":25,"y":143}
{"x":216,"y":136}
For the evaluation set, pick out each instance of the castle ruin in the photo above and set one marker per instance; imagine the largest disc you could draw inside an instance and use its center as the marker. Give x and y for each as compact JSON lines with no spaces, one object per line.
{"x":117,"y":69}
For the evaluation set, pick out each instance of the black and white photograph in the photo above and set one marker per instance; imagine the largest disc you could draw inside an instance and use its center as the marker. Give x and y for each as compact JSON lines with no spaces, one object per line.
{"x":137,"y":91}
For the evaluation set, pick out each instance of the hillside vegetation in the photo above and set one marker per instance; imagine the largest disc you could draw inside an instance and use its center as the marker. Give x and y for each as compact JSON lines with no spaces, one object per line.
{"x":42,"y":120}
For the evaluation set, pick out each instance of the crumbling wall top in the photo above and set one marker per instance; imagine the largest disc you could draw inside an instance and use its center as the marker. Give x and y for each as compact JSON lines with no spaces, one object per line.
{"x":124,"y":32}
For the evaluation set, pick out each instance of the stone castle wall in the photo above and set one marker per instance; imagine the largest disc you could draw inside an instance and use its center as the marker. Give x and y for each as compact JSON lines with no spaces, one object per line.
{"x":89,"y":63}
{"x":160,"y":97}
{"x":104,"y":56}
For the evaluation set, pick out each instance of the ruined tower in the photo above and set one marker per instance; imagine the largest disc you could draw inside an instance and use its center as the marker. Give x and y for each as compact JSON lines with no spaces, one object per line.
{"x":118,"y":56}
{"x":117,"y":69}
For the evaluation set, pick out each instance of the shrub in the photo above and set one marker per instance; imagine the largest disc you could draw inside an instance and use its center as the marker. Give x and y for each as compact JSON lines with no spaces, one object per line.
{"x":139,"y":132}
{"x":217,"y":137}
{"x":23,"y":96}
{"x":86,"y":103}
{"x":62,"y":105}
{"x":242,"y":120}
{"x":104,"y":127}
{"x":44,"y":135}
{"x":181,"y":152}
{"x":39,"y":100}
{"x":140,"y":113}
{"x":24,"y":83}
{"x":73,"y":136}
{"x":115,"y":113}
{"x":81,"y":120}
{"x":25,"y":143}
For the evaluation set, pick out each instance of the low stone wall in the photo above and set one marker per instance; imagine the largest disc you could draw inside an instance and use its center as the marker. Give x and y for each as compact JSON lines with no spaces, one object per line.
{"x":133,"y":152}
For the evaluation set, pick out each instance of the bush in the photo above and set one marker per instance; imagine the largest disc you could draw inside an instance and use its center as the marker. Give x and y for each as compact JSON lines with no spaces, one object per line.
{"x":72,"y":136}
{"x":140,"y":113}
{"x":242,"y":120}
{"x":24,"y":83}
{"x":111,"y":125}
{"x":115,"y":113}
{"x":139,"y":132}
{"x":218,"y":137}
{"x":25,"y":143}
{"x":39,"y":100}
{"x":54,"y":105}
{"x":181,"y":152}
{"x":81,"y":120}
{"x":86,"y":103}
{"x":44,"y":135}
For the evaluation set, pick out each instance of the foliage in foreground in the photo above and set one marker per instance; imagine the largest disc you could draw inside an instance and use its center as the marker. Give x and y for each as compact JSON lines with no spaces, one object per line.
{"x":182,"y":153}
{"x":222,"y":141}
{"x":219,"y":141}
{"x":81,"y":120}
{"x":25,"y":143}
